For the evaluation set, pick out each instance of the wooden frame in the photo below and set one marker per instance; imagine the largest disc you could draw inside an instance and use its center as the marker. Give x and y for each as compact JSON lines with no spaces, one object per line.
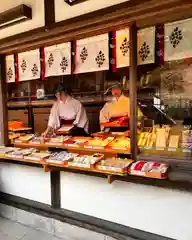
{"x":74,"y":2}
{"x":15,"y":15}
{"x":49,"y":11}
{"x":104,"y":20}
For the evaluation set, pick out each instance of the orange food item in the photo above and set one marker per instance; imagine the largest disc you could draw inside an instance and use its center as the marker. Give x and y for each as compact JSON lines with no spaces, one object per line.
{"x":15,"y":124}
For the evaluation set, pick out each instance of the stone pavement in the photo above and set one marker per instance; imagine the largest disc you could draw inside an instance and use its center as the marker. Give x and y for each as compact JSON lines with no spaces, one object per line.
{"x":10,"y":230}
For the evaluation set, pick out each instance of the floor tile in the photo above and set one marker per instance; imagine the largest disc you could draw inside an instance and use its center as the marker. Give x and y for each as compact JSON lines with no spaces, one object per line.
{"x":38,"y":235}
{"x":4,"y":236}
{"x":11,"y":229}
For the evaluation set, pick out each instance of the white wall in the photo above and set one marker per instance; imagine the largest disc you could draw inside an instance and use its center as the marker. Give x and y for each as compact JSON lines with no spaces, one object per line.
{"x":152,"y":209}
{"x":63,"y":11}
{"x":37,"y":16}
{"x":24,"y":181}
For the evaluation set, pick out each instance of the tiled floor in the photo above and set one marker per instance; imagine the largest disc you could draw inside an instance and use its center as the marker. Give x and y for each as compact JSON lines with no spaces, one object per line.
{"x":10,"y":230}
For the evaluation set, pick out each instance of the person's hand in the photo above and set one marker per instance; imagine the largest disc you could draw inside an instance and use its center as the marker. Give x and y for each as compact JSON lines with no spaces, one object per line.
{"x":44,"y":134}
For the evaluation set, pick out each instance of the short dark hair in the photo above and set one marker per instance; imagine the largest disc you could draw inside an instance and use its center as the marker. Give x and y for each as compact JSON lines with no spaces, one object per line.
{"x":62,"y":88}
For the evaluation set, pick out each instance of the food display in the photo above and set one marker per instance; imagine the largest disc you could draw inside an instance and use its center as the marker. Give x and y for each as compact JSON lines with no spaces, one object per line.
{"x":13,"y":136}
{"x":61,"y":157}
{"x":5,"y":150}
{"x":86,"y":161}
{"x":120,"y":143}
{"x":58,"y":140}
{"x":12,"y":125}
{"x":24,"y":139}
{"x":66,"y":128}
{"x":76,"y":141}
{"x":37,"y":156}
{"x":20,"y":153}
{"x":149,"y":169}
{"x":117,"y":165}
{"x":186,"y":139}
{"x":98,"y":142}
{"x":116,"y":122}
{"x":36,"y":140}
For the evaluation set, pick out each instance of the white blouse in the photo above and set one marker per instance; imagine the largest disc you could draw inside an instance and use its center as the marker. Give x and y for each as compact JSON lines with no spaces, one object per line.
{"x":71,"y":109}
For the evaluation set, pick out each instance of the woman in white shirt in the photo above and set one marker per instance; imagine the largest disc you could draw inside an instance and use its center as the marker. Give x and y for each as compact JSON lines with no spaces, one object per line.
{"x":67,"y":110}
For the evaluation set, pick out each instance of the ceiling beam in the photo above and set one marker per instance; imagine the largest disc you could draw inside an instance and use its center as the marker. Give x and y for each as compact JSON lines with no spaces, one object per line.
{"x":49,"y":13}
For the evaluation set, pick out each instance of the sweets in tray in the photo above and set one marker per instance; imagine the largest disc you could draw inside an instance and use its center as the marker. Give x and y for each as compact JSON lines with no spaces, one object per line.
{"x":64,"y":129}
{"x":61,"y":157}
{"x":24,"y":139}
{"x":38,"y":156}
{"x":116,"y":165}
{"x":120,"y":143}
{"x":86,"y":161}
{"x":58,"y":140}
{"x":149,"y":169}
{"x":76,"y":141}
{"x":98,"y":142}
{"x":36,"y":140}
{"x":15,"y":125}
{"x":5,"y":150}
{"x":20,"y":153}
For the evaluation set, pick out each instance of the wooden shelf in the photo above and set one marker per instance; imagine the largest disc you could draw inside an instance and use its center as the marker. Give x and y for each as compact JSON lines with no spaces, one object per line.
{"x":20,"y":129}
{"x":72,"y":149}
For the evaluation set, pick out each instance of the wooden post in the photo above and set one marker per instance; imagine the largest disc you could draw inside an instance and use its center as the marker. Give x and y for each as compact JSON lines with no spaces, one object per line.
{"x":55,"y":189}
{"x":133,"y":89}
{"x":3,"y":104}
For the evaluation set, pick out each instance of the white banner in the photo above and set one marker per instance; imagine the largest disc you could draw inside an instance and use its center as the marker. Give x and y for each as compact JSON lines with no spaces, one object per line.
{"x":10,"y":69}
{"x":29,"y":65}
{"x":178,"y":40}
{"x":146,"y":45}
{"x":58,"y":60}
{"x":122,"y":48}
{"x":92,"y":54}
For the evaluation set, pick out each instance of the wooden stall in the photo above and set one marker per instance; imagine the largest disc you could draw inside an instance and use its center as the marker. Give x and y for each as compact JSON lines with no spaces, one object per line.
{"x":132,"y":178}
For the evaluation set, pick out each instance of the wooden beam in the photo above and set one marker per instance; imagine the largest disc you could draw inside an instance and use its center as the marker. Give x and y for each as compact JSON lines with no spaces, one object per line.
{"x":3,"y":104}
{"x":133,"y":75}
{"x":104,"y":20}
{"x":49,"y":13}
{"x":15,"y":15}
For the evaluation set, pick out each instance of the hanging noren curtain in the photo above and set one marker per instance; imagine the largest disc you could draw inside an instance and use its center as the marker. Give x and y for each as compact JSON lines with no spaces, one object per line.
{"x":146,"y":45}
{"x":10,"y":68}
{"x":178,"y":40}
{"x":92,"y":54}
{"x":58,"y":60}
{"x":29,"y":65}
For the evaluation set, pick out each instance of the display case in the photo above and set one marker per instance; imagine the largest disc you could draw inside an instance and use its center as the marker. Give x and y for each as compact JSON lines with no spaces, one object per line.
{"x":168,"y":118}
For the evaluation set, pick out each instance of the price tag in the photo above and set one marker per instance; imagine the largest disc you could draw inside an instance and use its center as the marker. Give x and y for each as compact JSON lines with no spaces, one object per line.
{"x":160,"y":148}
{"x":172,"y":149}
{"x":186,"y":150}
{"x":139,"y":173}
{"x":148,"y":147}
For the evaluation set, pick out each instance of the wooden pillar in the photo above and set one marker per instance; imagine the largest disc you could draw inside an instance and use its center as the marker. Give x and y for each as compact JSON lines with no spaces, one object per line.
{"x":3,"y":103}
{"x":133,"y":75}
{"x":55,"y":189}
{"x":49,"y":13}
